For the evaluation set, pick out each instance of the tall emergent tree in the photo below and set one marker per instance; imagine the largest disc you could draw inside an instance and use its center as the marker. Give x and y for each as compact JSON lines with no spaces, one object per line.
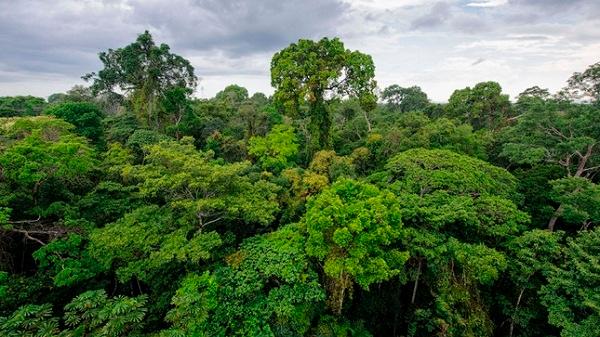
{"x":309,"y":73}
{"x":144,"y":72}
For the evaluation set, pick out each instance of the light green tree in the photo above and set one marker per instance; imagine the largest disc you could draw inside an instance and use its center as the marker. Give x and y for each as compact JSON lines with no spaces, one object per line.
{"x":277,"y":150}
{"x":352,"y":228}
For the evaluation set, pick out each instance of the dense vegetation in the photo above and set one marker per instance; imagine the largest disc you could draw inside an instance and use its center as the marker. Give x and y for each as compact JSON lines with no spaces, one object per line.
{"x":130,"y":208}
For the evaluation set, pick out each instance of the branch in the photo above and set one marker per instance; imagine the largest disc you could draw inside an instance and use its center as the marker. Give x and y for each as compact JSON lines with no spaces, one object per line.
{"x":26,"y":221}
{"x":26,"y":233}
{"x":211,"y":221}
{"x":591,"y":168}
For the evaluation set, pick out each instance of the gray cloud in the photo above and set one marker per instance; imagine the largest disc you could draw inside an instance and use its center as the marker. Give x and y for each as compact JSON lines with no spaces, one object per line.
{"x":64,"y":37}
{"x":438,"y":15}
{"x":48,"y":45}
{"x":237,"y":26}
{"x":478,"y":61}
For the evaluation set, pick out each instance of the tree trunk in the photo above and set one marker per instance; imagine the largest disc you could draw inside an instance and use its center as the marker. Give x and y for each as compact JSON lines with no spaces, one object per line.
{"x":557,"y":213}
{"x":416,"y":285}
{"x":369,"y":128}
{"x":320,"y":127}
{"x":512,"y":319}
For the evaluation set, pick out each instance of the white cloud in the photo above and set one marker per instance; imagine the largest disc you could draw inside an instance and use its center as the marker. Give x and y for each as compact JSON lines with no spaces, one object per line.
{"x":487,"y":3}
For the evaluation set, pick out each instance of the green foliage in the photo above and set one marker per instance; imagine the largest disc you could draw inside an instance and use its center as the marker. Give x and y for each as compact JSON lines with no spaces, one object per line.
{"x":86,"y":117}
{"x":421,"y":171}
{"x":43,"y":163}
{"x":30,"y":321}
{"x":330,"y":326}
{"x":572,"y":295}
{"x":148,"y":72}
{"x":148,"y":239}
{"x":351,"y":227}
{"x":120,"y":127}
{"x":586,"y":85}
{"x":328,"y":164}
{"x":67,"y":261}
{"x":457,"y":212}
{"x":277,"y":150}
{"x":309,"y":72}
{"x":141,"y":138}
{"x":94,"y":314}
{"x":580,"y":199}
{"x":3,"y":280}
{"x":21,"y":106}
{"x":549,"y":133}
{"x":315,"y":212}
{"x":483,"y":106}
{"x":405,"y":99}
{"x":267,"y":288}
{"x":414,"y":130}
{"x":532,"y":256}
{"x":205,"y":190}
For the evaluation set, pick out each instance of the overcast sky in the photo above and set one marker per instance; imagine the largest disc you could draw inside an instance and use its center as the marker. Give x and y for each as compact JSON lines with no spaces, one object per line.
{"x":45,"y":46}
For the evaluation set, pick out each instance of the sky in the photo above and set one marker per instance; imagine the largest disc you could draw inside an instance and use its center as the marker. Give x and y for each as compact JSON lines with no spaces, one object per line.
{"x":46,"y":46}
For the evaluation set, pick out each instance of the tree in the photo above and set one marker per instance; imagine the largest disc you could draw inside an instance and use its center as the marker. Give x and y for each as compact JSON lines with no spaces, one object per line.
{"x":457,"y":212}
{"x":199,"y":198}
{"x":232,"y":96}
{"x":532,"y":256}
{"x":44,"y":167}
{"x":571,"y":294}
{"x":405,"y":99}
{"x":534,"y":92}
{"x":277,"y":150}
{"x":586,"y":85}
{"x":580,"y":200}
{"x":416,"y":130}
{"x":177,"y":107}
{"x":484,"y":105}
{"x":205,"y":190}
{"x":86,"y":117}
{"x":315,"y":73}
{"x":529,"y":98}
{"x":21,"y":106}
{"x":146,"y":72}
{"x":351,"y":228}
{"x":148,"y":240}
{"x":78,"y":93}
{"x":548,"y":134}
{"x":266,"y":288}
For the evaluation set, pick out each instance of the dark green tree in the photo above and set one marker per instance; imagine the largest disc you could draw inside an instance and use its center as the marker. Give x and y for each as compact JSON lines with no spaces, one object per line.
{"x":85,"y":116}
{"x":21,"y":106}
{"x":572,"y":295}
{"x":483,"y":106}
{"x":405,"y":99}
{"x":145,"y":72}
{"x":312,"y":73}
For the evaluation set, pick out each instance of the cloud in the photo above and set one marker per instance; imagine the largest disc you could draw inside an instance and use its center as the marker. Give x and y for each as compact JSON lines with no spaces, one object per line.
{"x":487,"y":3}
{"x":239,"y":27}
{"x":55,"y":36}
{"x":478,"y":61}
{"x":438,"y":15}
{"x":439,"y":45}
